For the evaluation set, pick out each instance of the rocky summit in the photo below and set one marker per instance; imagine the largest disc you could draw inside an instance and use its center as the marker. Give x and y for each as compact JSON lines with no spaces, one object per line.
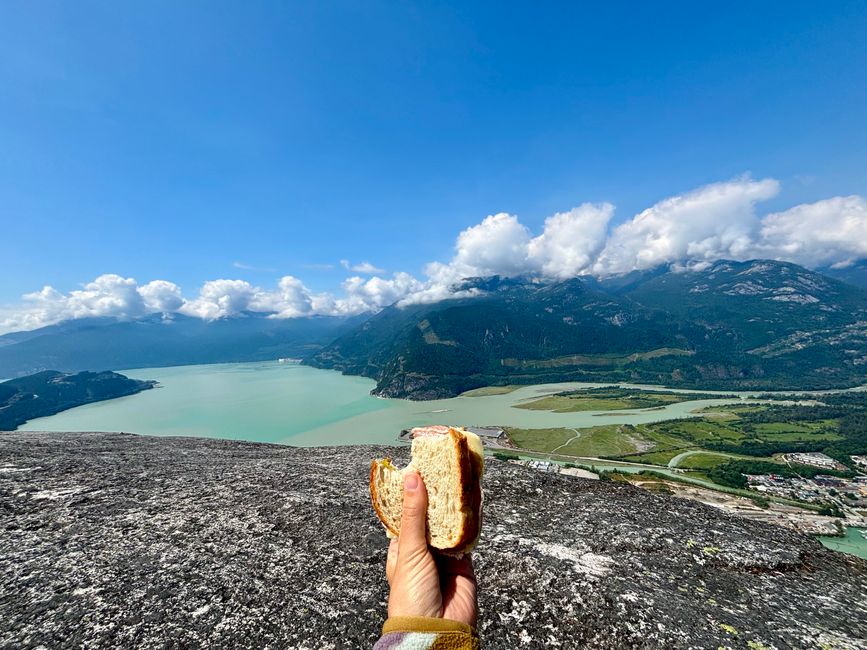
{"x":117,"y":540}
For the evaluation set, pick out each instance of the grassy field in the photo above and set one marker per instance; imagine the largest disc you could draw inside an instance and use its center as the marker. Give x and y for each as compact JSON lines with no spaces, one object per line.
{"x":717,"y":437}
{"x":655,"y":457}
{"x":706,"y":461}
{"x":657,"y":443}
{"x":792,"y":431}
{"x":608,"y":440}
{"x":729,"y":411}
{"x":560,"y":404}
{"x":489,"y":390}
{"x":699,"y":430}
{"x":604,"y":360}
{"x":702,"y":461}
{"x":603,"y":399}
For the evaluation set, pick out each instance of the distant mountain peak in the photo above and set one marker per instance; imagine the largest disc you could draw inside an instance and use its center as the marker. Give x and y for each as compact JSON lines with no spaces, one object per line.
{"x":854,"y":273}
{"x":108,"y":343}
{"x":491,"y":283}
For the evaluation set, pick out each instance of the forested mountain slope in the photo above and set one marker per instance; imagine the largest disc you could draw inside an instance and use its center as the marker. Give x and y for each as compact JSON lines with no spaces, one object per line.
{"x":757,"y":325}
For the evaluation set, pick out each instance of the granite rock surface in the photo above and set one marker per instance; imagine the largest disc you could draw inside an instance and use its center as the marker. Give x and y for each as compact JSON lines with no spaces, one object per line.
{"x":116,"y":540}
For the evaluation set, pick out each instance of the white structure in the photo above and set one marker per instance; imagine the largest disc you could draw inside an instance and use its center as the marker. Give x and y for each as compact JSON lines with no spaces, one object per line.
{"x":544,"y":466}
{"x":489,"y":433}
{"x":814,"y":459}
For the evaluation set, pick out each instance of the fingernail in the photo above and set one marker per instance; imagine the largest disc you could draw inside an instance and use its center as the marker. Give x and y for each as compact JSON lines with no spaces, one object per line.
{"x":410,"y":481}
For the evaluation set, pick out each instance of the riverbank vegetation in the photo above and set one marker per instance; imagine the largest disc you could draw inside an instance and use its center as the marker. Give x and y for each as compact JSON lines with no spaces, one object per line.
{"x":608,"y":398}
{"x":487,"y":391}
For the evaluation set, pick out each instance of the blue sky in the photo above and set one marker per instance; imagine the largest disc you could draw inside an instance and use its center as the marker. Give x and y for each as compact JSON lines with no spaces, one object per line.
{"x":166,"y":140}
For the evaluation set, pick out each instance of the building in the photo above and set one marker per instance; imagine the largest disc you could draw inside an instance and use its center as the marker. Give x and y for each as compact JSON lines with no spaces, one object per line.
{"x":829,"y":481}
{"x":544,"y":466}
{"x":814,"y":459}
{"x":488,"y":433}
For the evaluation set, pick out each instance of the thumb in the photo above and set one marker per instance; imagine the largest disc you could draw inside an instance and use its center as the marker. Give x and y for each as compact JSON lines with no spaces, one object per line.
{"x":413,"y":522}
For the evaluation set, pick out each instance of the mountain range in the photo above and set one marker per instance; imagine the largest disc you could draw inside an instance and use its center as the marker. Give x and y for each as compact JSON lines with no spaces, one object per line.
{"x":854,"y":273}
{"x":732,"y":325}
{"x":154,"y":341}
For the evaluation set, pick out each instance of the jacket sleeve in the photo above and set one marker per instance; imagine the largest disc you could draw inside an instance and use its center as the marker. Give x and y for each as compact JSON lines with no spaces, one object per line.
{"x":418,"y":633}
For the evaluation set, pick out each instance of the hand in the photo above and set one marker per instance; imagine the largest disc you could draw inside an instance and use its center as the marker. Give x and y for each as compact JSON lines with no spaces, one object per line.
{"x":423,"y":584}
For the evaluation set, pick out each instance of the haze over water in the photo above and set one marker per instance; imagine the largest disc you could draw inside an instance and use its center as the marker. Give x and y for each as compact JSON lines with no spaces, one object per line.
{"x":299,"y":405}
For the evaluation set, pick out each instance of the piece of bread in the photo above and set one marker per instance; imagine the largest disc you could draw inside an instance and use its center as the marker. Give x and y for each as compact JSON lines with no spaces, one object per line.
{"x":450,"y":461}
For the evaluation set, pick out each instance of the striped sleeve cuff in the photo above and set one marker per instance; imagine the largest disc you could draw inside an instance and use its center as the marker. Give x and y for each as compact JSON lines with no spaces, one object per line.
{"x":419,"y":633}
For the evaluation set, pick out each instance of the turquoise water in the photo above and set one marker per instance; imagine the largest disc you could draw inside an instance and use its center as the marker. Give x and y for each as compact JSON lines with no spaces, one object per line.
{"x":264,"y":402}
{"x":853,"y":543}
{"x":298,"y":405}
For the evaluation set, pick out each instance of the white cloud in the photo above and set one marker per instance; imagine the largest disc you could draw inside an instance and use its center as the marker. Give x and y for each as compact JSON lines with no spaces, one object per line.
{"x":717,"y":221}
{"x":112,"y":295}
{"x":317,"y":267}
{"x":688,"y":230}
{"x":161,"y":296}
{"x":712,"y":222}
{"x":219,"y":298}
{"x":375,"y":293}
{"x":38,"y":309}
{"x":832,"y":231}
{"x":363,"y":267}
{"x":107,"y":295}
{"x":250,"y":267}
{"x":432,"y":292}
{"x":571,"y":240}
{"x":498,"y":245}
{"x":501,"y":245}
{"x":291,"y":299}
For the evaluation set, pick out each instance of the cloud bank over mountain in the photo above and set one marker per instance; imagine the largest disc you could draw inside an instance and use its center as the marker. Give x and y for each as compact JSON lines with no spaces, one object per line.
{"x":716,"y":221}
{"x":713,"y":222}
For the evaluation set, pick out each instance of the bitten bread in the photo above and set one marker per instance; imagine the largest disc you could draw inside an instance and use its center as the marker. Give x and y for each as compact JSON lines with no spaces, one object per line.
{"x":450,"y":461}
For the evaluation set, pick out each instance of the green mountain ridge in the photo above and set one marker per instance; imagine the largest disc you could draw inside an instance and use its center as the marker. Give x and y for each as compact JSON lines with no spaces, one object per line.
{"x":734,"y":325}
{"x":49,"y":392}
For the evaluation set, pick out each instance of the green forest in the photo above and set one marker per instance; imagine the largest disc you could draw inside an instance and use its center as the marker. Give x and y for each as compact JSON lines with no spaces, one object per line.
{"x":49,"y":392}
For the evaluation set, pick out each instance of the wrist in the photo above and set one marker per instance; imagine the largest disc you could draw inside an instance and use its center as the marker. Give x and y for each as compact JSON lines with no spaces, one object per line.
{"x":412,"y":607}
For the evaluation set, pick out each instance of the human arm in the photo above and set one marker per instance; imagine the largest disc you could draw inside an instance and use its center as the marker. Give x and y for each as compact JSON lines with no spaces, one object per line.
{"x":432,"y":598}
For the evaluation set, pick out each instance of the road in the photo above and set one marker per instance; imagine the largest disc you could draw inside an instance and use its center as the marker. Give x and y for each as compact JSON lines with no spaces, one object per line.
{"x":565,"y":444}
{"x":676,"y":460}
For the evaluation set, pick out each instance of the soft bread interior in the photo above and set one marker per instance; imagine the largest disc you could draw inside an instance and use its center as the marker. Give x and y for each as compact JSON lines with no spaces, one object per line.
{"x":450,"y":463}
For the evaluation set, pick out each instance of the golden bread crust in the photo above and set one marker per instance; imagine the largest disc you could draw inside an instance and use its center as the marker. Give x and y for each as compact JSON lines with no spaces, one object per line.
{"x":471,"y":495}
{"x":374,"y":497}
{"x":469,"y":470}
